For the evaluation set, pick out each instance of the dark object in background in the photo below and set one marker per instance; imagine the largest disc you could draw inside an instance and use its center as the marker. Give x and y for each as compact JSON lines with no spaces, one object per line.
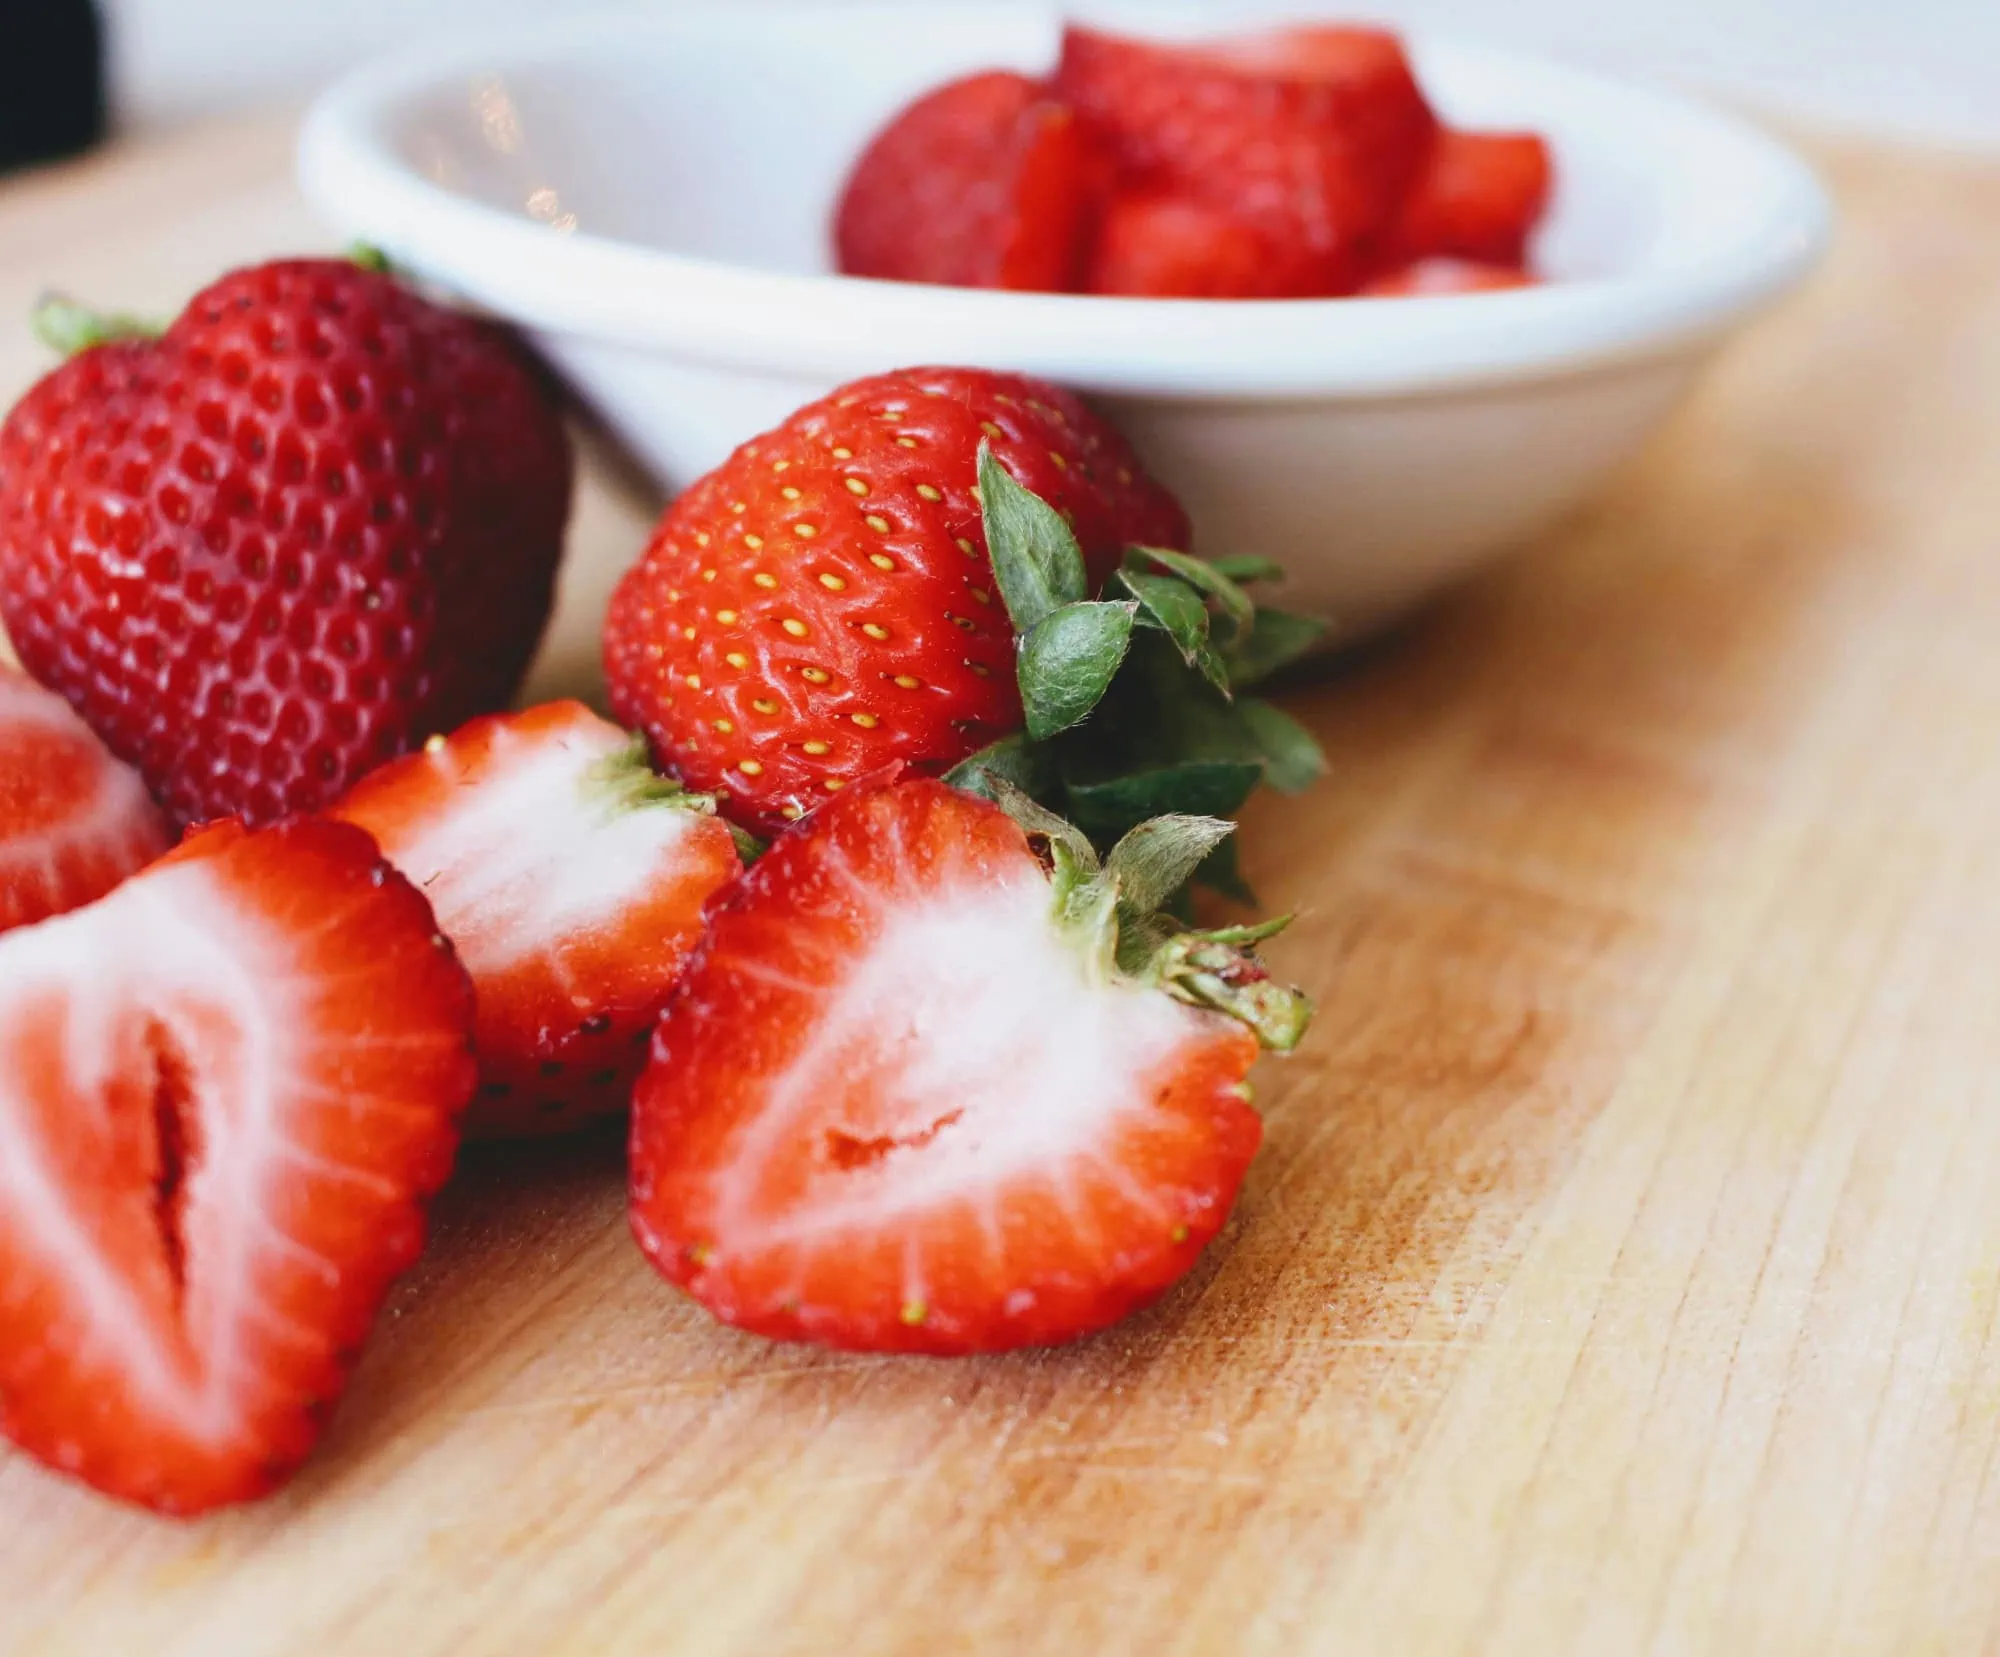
{"x":51,"y":79}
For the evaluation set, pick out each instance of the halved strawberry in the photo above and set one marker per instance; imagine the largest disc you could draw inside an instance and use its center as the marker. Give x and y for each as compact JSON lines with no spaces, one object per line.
{"x":1312,"y":134}
{"x":1479,"y":196}
{"x":1431,"y":278}
{"x":1153,"y":245}
{"x":225,"y":1091}
{"x":921,"y":1092}
{"x":571,"y":878}
{"x":986,"y":182}
{"x":73,"y":820}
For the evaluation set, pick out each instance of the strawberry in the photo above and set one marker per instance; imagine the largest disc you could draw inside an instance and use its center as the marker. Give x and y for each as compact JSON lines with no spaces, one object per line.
{"x":313,"y":521}
{"x":823,"y":603}
{"x":73,"y":821}
{"x":988,"y":1104}
{"x":1446,"y":276}
{"x":228,"y":1088}
{"x":984,"y":183}
{"x":570,"y":878}
{"x":1311,"y":134}
{"x":1157,"y":246}
{"x":1479,"y":197}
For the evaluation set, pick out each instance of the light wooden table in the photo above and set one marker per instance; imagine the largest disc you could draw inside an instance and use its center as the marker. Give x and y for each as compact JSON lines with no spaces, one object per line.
{"x":1623,"y":1268}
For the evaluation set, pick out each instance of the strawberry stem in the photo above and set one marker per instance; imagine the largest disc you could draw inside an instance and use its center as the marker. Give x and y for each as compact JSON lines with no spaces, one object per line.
{"x":1210,"y":969}
{"x":68,"y":328}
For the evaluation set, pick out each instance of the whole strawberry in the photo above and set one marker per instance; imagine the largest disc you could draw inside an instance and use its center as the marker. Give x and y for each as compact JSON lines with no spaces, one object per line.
{"x":313,"y":521}
{"x":823,"y":604}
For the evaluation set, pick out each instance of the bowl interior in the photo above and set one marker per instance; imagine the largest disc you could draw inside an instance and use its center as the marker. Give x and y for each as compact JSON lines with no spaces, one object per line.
{"x":726,"y":136}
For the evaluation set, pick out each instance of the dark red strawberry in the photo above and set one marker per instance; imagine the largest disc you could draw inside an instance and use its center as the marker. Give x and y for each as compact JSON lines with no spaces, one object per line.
{"x":1311,"y":134}
{"x":572,"y":880}
{"x":985,"y":1105}
{"x":313,"y":522}
{"x":73,"y":821}
{"x":228,"y":1088}
{"x":1433,"y":277}
{"x":987,"y":182}
{"x":1479,"y":197}
{"x":1153,"y":245}
{"x":823,"y":604}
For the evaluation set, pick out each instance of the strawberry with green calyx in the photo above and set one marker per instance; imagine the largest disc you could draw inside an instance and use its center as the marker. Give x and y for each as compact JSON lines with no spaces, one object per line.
{"x":996,"y":1099}
{"x":1130,"y":701}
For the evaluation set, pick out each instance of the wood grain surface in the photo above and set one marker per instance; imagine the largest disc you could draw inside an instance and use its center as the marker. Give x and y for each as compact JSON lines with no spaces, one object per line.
{"x":1622,"y":1271}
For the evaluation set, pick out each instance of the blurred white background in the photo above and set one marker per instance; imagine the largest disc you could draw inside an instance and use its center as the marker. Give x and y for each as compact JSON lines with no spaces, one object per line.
{"x":1924,"y":68}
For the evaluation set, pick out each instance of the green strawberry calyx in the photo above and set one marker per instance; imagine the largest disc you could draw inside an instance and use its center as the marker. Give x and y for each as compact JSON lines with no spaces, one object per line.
{"x":1111,"y":910}
{"x":1133,"y":699}
{"x":626,"y":781}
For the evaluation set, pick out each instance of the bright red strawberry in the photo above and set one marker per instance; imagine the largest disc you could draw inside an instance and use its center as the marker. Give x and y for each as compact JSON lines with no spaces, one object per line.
{"x":987,"y":182}
{"x":73,"y":821}
{"x":1312,"y":134}
{"x":958,"y":1127}
{"x":571,"y":878}
{"x":822,"y":604}
{"x":1156,"y":246}
{"x":1479,"y":197}
{"x":1432,"y":277}
{"x":314,"y":521}
{"x":225,"y":1091}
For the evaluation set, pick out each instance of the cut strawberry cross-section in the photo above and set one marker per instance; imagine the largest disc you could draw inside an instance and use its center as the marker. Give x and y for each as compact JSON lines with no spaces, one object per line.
{"x":922,"y":1091}
{"x":571,"y":878}
{"x":73,"y":820}
{"x":225,"y":1091}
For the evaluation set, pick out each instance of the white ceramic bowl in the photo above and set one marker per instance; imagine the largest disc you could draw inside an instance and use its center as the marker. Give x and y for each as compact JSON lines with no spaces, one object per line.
{"x":649,"y":198}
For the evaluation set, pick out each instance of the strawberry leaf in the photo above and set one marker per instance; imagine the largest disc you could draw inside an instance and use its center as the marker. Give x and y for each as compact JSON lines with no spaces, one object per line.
{"x":1276,"y":639}
{"x":1154,"y":861}
{"x":1067,"y":662}
{"x":1110,"y":807}
{"x":1177,"y":610}
{"x":1028,"y":767}
{"x":1036,"y":561}
{"x":1244,"y":567}
{"x":1205,"y":578}
{"x":1036,"y":819}
{"x":1292,"y":759}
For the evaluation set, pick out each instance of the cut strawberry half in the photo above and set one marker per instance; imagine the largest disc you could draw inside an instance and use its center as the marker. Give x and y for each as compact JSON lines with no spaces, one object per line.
{"x":1479,"y":197}
{"x":225,"y":1091}
{"x":923,"y":1092}
{"x":73,"y":820}
{"x":985,"y":183}
{"x":572,"y":880}
{"x":1312,"y":134}
{"x":1157,"y":246}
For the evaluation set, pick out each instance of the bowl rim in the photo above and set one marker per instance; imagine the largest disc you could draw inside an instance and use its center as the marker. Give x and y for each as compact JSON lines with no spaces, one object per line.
{"x":739,"y":317}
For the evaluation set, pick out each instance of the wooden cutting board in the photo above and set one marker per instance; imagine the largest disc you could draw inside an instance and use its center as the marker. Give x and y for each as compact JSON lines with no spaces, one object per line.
{"x":1623,"y":1268}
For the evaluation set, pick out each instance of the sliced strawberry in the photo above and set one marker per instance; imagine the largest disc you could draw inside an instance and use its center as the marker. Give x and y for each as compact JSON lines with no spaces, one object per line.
{"x":73,"y":820}
{"x":985,"y":183}
{"x":1480,"y":196}
{"x":1313,"y":134}
{"x":905,"y":1101}
{"x":1152,"y":245}
{"x":1434,"y":277}
{"x":571,"y":878}
{"x":225,"y":1091}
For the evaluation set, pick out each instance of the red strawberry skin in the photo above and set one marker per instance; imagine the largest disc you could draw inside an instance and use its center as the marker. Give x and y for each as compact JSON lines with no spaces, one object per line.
{"x":986,"y":182}
{"x":1158,"y":246}
{"x":315,"y":521}
{"x":1312,"y":135}
{"x":572,"y":890}
{"x":228,"y":1089}
{"x":1437,"y":277}
{"x":74,"y":822}
{"x":1479,"y":197}
{"x":822,"y":604}
{"x":943,"y":1137}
